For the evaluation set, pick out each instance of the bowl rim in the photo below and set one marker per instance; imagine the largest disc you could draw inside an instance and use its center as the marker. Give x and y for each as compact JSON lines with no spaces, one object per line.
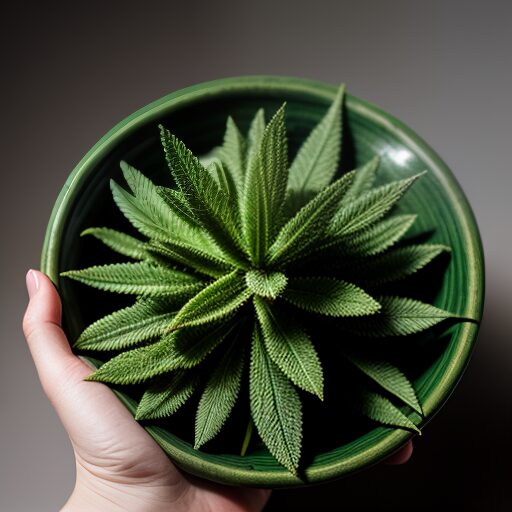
{"x":388,"y":442}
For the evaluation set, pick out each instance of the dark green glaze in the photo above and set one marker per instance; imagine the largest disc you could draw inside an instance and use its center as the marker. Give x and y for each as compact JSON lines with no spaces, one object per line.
{"x":197,"y":115}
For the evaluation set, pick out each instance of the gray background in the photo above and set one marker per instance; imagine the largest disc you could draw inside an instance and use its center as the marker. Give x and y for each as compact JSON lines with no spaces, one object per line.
{"x":72,"y":71}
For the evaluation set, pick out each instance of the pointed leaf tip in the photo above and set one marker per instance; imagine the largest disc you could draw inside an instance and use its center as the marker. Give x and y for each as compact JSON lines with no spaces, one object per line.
{"x":331,"y":297}
{"x":317,"y":159}
{"x":220,"y":394}
{"x":386,"y":376}
{"x":368,"y":208}
{"x":399,"y":316}
{"x":125,"y":328}
{"x":382,"y":410}
{"x":165,"y":397}
{"x":265,"y":189}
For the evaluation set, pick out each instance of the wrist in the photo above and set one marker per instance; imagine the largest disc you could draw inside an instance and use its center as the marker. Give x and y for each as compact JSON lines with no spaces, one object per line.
{"x":82,"y":499}
{"x":92,"y":494}
{"x":87,"y":500}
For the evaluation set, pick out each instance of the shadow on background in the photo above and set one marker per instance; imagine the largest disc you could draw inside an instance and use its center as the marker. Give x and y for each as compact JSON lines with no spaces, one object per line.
{"x":462,"y":460}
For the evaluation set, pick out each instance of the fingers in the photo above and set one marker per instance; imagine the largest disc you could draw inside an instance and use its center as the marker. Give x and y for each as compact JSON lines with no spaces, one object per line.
{"x":401,"y":456}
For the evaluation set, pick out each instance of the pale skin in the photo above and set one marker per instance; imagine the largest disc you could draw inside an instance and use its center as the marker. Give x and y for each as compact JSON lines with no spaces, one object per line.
{"x":119,"y":467}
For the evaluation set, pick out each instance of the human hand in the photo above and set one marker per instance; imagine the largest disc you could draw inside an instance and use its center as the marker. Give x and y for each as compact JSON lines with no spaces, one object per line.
{"x":119,"y":467}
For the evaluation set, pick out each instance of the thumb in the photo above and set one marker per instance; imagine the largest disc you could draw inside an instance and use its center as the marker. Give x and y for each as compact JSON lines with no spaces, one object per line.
{"x":56,"y":364}
{"x":80,"y":405}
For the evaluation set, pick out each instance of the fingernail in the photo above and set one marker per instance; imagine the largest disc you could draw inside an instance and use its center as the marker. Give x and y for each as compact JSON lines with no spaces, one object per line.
{"x":32,"y":281}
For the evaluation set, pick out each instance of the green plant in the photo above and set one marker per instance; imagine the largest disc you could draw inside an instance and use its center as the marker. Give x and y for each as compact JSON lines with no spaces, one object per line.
{"x":234,"y":258}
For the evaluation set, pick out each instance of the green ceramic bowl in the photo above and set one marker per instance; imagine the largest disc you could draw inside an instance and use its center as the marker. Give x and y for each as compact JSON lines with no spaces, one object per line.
{"x":197,"y":115}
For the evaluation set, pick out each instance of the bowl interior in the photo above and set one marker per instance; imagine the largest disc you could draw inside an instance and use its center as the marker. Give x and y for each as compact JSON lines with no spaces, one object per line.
{"x":197,"y":115}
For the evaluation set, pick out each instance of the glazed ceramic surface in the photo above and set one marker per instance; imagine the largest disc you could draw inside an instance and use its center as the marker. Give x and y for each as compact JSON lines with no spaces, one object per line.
{"x":197,"y":115}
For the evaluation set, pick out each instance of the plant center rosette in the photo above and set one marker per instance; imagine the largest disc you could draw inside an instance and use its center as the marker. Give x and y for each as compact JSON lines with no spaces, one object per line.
{"x":239,"y":256}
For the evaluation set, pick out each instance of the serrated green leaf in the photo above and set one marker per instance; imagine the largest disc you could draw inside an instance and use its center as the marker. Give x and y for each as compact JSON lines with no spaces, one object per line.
{"x":266,"y":284}
{"x":192,"y":233}
{"x":209,"y":204}
{"x":176,"y":350}
{"x":119,"y":242}
{"x":146,"y":319}
{"x":232,"y":191}
{"x":368,"y":208}
{"x":177,"y":202}
{"x":265,"y":188}
{"x":227,"y":221}
{"x":290,"y":347}
{"x":135,"y":212}
{"x":275,"y":407}
{"x":254,"y":136}
{"x":363,"y":180}
{"x":317,"y":159}
{"x":233,"y":153}
{"x":219,"y":395}
{"x":215,"y":301}
{"x":387,"y":376}
{"x":375,"y":239}
{"x":299,"y":235}
{"x":139,"y":364}
{"x":331,"y":297}
{"x":225,"y":182}
{"x":380,"y":409}
{"x":165,"y":397}
{"x":399,"y":316}
{"x":161,"y":213}
{"x":138,"y":278}
{"x":189,"y":256}
{"x":397,"y":263}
